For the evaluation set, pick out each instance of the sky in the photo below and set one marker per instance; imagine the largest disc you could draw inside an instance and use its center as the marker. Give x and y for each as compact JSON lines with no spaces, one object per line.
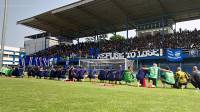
{"x":22,"y":9}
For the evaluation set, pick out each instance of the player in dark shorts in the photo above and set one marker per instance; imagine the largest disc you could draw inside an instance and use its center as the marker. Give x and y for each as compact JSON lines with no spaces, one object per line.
{"x":81,"y":74}
{"x":77,"y":73}
{"x":102,"y":75}
{"x":195,"y":77}
{"x":71,"y":74}
{"x":41,"y":73}
{"x":119,"y":75}
{"x":111,"y":75}
{"x":30,"y":72}
{"x":141,"y":77}
{"x":92,"y":74}
{"x":52,"y":73}
{"x":46,"y":73}
{"x":63,"y":72}
{"x":58,"y":73}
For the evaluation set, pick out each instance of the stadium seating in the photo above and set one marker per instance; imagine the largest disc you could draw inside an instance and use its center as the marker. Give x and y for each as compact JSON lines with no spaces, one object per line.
{"x":183,"y":39}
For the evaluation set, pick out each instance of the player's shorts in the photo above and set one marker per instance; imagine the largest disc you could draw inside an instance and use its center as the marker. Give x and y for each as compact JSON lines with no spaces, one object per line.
{"x":154,"y":80}
{"x":91,"y":76}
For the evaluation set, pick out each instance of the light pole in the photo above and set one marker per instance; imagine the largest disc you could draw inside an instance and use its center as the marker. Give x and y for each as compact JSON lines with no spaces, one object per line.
{"x":3,"y":32}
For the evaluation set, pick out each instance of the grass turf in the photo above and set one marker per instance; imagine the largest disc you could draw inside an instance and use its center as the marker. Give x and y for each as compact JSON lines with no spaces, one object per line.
{"x":35,"y":95}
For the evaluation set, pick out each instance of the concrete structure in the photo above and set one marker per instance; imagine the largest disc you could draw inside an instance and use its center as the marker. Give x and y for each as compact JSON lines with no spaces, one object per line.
{"x":34,"y":45}
{"x":11,"y":55}
{"x":87,"y":18}
{"x":140,"y":33}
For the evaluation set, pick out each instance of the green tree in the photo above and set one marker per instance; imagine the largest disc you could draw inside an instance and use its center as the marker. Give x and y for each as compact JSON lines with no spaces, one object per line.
{"x":117,"y":38}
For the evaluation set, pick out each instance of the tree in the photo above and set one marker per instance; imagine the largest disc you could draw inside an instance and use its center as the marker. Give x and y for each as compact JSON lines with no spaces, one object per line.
{"x":117,"y":38}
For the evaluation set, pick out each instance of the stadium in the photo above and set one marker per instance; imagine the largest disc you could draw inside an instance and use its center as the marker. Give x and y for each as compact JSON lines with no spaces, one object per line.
{"x":155,"y":70}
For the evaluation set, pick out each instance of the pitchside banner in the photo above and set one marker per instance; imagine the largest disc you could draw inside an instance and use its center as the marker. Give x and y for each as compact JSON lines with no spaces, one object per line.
{"x":135,"y":54}
{"x":174,"y":55}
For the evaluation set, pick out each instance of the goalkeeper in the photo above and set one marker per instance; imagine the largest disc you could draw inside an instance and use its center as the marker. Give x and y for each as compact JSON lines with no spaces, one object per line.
{"x":167,"y":78}
{"x":129,"y":75}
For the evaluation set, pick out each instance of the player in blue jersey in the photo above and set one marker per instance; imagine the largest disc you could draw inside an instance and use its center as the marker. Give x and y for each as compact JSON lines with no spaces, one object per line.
{"x":119,"y":75}
{"x":102,"y":75}
{"x":111,"y":75}
{"x":92,"y":73}
{"x":80,"y":75}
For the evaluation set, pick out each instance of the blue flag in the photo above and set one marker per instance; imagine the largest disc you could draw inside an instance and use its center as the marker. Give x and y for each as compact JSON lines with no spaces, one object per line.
{"x":47,"y":61}
{"x":27,"y":60}
{"x":43,"y":61}
{"x":34,"y":62}
{"x":97,"y":52}
{"x":20,"y":61}
{"x":91,"y":51}
{"x":38,"y":61}
{"x":174,"y":55}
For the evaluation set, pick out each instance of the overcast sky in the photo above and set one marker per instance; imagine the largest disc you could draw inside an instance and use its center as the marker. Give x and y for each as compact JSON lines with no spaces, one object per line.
{"x":22,"y":9}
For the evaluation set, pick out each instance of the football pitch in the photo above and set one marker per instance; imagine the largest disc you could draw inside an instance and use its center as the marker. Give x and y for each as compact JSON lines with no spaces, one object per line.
{"x":38,"y":95}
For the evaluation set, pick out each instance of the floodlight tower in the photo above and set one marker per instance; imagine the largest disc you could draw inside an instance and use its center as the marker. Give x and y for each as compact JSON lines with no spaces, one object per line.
{"x":3,"y":32}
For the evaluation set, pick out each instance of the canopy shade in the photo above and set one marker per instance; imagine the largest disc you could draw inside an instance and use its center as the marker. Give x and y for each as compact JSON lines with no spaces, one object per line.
{"x":91,"y":17}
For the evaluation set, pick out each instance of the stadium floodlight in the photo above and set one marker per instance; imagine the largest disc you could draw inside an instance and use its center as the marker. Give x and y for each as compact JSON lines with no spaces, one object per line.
{"x":4,"y":32}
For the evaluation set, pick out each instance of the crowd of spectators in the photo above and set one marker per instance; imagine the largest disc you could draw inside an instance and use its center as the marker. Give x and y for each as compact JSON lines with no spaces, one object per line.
{"x":182,"y":39}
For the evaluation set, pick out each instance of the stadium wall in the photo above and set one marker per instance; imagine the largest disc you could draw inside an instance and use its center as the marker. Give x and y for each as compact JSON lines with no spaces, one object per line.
{"x":35,"y":45}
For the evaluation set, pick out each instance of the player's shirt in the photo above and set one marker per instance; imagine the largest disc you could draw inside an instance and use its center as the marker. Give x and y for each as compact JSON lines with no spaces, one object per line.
{"x":94,"y":72}
{"x":82,"y":73}
{"x":119,"y":75}
{"x":102,"y":75}
{"x":90,"y":72}
{"x":141,"y":74}
{"x":128,"y":76}
{"x":195,"y":76}
{"x":168,"y":77}
{"x":110,"y":75}
{"x":153,"y":72}
{"x":182,"y":77}
{"x":76,"y":72}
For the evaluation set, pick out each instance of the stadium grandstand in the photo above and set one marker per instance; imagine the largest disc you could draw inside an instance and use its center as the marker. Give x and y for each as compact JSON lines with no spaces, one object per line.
{"x":153,"y":21}
{"x":79,"y":63}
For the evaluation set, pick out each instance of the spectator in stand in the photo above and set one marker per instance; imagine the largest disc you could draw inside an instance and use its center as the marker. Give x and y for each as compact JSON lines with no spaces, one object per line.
{"x":183,"y":39}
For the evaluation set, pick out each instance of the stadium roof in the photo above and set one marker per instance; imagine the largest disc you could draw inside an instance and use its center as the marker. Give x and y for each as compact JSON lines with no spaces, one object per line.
{"x":90,"y":17}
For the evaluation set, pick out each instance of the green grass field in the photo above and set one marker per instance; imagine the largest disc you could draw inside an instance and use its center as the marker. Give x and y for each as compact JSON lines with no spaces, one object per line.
{"x":34,"y":95}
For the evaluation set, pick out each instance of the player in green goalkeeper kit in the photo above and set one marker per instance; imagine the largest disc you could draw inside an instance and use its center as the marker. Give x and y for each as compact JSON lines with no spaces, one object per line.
{"x":153,"y":74}
{"x":168,"y":78}
{"x":128,"y":75}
